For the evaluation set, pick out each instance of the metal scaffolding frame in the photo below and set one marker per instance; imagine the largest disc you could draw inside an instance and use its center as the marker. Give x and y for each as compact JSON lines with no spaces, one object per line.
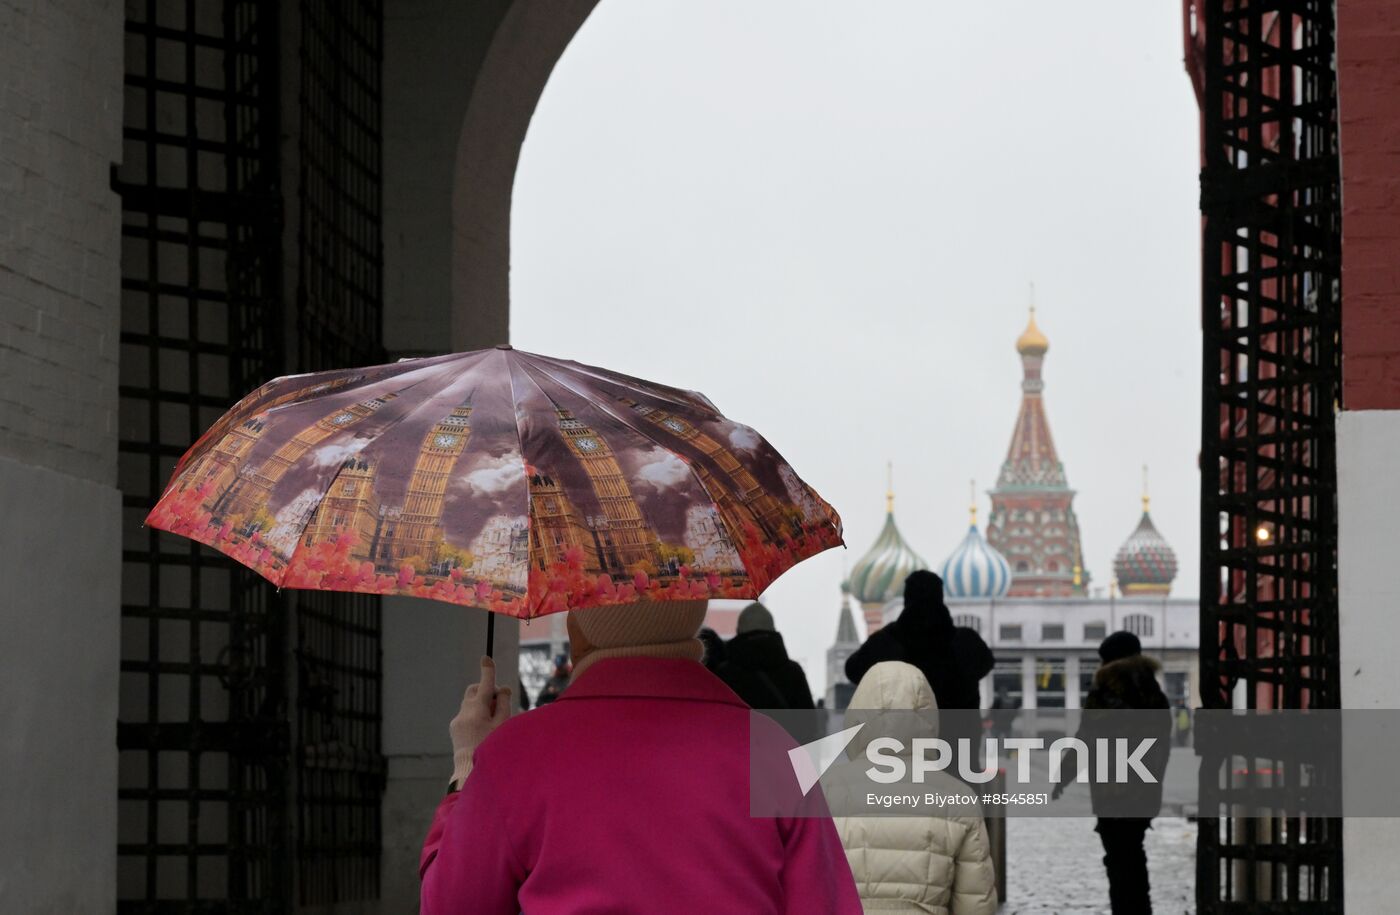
{"x":1271,"y":270}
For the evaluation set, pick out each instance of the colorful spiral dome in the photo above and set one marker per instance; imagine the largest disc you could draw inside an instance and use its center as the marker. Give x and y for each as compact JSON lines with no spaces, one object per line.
{"x":1145,"y":563}
{"x":879,"y":575}
{"x":976,"y":568}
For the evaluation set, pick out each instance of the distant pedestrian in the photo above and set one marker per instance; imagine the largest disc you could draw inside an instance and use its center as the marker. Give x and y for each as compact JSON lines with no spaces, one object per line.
{"x":954,"y":659}
{"x":757,"y":667}
{"x":1183,"y":724}
{"x":554,"y":687}
{"x":714,"y":649}
{"x":1126,"y":681}
{"x":912,"y":863}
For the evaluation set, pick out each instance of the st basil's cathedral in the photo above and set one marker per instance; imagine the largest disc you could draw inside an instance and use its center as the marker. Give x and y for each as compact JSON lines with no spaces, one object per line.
{"x":1023,"y":585}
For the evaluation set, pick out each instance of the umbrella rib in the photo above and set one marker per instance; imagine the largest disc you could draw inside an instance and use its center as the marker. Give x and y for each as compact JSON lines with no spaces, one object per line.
{"x":681,"y":398}
{"x":689,"y":465}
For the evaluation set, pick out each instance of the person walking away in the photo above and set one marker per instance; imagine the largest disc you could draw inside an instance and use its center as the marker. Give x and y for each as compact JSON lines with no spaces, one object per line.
{"x":554,"y":686}
{"x":757,"y":666}
{"x":628,"y":794}
{"x":954,"y":659}
{"x":714,"y":649}
{"x":1126,"y":681}
{"x":1183,"y":724}
{"x":931,"y":864}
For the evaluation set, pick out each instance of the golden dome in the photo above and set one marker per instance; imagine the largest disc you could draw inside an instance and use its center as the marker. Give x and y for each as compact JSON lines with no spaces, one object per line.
{"x":1032,"y":342}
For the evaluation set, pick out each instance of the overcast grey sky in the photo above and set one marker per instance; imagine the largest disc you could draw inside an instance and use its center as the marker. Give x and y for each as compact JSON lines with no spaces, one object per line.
{"x":826,"y":216}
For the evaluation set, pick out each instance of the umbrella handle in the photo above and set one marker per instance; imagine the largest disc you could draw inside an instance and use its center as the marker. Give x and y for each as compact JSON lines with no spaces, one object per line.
{"x":490,"y":633}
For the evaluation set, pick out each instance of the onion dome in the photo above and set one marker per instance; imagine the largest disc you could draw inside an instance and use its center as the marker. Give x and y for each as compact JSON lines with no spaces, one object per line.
{"x":879,"y":575}
{"x":976,"y":568}
{"x":1145,"y":563}
{"x":1032,"y":342}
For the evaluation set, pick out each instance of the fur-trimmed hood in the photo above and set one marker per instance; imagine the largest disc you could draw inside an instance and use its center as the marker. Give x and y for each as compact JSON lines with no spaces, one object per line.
{"x":1129,"y":682}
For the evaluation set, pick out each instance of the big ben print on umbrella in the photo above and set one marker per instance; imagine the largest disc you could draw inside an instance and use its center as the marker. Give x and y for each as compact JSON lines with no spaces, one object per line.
{"x":498,"y":479}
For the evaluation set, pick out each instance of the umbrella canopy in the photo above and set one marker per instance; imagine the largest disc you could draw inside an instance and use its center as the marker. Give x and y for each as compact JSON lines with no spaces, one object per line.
{"x":498,"y":479}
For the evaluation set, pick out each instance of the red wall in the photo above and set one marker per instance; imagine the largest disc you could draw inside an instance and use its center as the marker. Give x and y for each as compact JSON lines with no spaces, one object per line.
{"x":1368,"y":61}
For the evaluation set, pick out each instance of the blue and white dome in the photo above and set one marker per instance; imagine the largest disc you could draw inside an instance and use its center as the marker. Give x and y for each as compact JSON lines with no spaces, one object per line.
{"x":975,"y":569}
{"x":880,"y":573}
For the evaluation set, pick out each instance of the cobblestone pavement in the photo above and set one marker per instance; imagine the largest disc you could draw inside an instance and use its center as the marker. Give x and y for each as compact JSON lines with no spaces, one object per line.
{"x":1055,"y":865}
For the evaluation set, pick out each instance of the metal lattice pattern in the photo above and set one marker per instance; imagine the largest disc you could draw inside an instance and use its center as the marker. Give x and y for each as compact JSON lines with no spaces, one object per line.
{"x":340,"y":769}
{"x":1270,"y":195}
{"x":202,"y":725}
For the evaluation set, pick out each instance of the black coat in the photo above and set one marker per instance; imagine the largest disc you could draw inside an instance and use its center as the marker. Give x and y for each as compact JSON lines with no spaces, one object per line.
{"x":1128,"y":685}
{"x":954,"y":659}
{"x":757,"y":667}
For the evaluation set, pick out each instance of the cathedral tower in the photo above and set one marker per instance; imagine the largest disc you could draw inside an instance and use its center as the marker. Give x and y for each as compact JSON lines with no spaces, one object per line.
{"x":1033,"y":522}
{"x":838,"y":688}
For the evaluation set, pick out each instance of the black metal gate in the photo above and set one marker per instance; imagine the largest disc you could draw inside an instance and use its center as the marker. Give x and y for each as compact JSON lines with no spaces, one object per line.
{"x":340,"y":771}
{"x":219,"y":784}
{"x":1270,"y":195}
{"x":203,"y":734}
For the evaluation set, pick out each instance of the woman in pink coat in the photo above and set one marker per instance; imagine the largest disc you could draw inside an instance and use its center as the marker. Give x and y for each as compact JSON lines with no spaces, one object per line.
{"x":630,"y":794}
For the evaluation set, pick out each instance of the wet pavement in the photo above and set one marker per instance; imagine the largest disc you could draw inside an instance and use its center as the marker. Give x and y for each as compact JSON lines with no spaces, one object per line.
{"x":1055,"y":865}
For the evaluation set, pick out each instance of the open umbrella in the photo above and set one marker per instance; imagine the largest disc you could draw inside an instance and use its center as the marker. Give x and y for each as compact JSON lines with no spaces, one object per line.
{"x":498,"y":479}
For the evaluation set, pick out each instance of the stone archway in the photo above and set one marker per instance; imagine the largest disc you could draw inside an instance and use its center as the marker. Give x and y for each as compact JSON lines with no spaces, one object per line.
{"x":461,"y":82}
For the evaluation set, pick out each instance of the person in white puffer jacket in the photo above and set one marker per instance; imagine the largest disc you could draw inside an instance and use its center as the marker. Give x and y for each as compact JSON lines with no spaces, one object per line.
{"x":931,"y":864}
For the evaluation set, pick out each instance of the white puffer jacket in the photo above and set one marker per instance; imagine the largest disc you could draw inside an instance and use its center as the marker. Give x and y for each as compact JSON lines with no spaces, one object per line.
{"x":938,"y":865}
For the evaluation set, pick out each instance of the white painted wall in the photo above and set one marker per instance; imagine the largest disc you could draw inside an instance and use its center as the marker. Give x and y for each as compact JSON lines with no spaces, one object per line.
{"x":1368,"y":494}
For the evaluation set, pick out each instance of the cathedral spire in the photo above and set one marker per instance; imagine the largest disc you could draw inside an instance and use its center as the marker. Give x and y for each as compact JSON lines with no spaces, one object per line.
{"x":1032,"y":522}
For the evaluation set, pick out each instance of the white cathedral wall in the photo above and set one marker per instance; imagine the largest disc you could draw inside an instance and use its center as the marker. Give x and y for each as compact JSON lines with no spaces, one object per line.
{"x":1175,"y":638}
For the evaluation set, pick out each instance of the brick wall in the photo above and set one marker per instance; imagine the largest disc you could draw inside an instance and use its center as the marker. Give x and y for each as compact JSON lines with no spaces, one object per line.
{"x":60,"y":131}
{"x":1368,"y":62}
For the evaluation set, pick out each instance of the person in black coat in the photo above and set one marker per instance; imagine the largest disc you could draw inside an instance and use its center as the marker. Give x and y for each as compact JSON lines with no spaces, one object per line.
{"x":1126,"y":681}
{"x":757,"y":667}
{"x":953,"y":658}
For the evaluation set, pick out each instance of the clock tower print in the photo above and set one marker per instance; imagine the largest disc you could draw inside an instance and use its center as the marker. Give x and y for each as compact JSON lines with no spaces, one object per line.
{"x":418,"y":527}
{"x":624,"y":538}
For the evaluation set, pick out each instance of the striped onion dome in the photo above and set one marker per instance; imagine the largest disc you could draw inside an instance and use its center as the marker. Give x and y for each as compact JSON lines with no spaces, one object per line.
{"x":1145,"y":563}
{"x":879,"y":575}
{"x":976,"y":568}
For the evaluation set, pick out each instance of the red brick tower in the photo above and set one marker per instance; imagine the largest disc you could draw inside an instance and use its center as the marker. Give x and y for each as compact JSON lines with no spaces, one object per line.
{"x":1032,"y":522}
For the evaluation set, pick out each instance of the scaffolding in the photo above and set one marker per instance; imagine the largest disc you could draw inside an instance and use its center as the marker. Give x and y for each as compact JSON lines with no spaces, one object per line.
{"x":1271,"y":257}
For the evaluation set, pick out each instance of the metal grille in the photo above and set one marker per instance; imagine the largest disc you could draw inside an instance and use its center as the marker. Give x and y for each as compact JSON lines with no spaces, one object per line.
{"x":340,"y":769}
{"x":202,"y":728}
{"x":1270,"y":196}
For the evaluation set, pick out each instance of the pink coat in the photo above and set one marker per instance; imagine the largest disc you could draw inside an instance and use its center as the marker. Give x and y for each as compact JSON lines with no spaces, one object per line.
{"x":628,"y":794}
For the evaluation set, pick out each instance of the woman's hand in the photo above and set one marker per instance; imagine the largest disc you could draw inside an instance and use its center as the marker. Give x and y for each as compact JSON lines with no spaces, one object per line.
{"x":483,"y":709}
